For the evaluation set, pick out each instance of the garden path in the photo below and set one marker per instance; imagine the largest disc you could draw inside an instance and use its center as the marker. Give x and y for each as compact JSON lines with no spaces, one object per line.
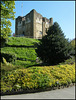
{"x":66,"y":93}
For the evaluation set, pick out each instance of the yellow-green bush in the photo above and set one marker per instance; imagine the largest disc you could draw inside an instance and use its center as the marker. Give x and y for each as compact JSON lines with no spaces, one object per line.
{"x":39,"y":77}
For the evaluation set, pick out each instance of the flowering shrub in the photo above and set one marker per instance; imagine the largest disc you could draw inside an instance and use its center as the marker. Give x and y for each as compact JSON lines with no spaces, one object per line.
{"x":38,"y":77}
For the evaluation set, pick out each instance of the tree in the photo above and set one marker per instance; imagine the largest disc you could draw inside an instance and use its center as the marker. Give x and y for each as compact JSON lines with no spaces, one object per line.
{"x":54,"y":47}
{"x":6,"y":14}
{"x":73,"y":43}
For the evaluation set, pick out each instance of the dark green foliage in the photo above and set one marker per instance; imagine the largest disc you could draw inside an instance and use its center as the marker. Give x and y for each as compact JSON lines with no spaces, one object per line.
{"x":9,"y":57}
{"x":2,"y":41}
{"x":73,"y":43}
{"x":54,"y":47}
{"x":69,"y":61}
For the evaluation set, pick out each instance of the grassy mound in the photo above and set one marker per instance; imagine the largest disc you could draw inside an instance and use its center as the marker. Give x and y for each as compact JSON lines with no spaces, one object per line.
{"x":38,"y":78}
{"x":23,"y":48}
{"x":25,"y":53}
{"x":21,"y":41}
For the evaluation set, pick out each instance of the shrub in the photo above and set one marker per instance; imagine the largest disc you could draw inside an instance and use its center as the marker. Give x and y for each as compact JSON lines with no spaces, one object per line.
{"x":39,"y":77}
{"x":2,"y":42}
{"x":6,"y":68}
{"x":69,"y":61}
{"x":9,"y":57}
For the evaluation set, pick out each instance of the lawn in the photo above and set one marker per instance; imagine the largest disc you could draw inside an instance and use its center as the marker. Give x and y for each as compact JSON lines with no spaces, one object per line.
{"x":25,"y":54}
{"x":22,"y":41}
{"x":21,"y":52}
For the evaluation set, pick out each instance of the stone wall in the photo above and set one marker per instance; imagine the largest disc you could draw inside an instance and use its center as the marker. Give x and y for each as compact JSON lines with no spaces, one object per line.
{"x":33,"y":24}
{"x":29,"y":24}
{"x":38,"y":25}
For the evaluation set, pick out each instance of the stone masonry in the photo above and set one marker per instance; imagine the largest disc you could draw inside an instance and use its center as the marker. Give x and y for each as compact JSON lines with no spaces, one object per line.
{"x":32,"y":25}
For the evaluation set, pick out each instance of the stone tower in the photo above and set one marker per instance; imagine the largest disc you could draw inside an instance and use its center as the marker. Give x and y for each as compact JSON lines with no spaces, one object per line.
{"x":32,"y":25}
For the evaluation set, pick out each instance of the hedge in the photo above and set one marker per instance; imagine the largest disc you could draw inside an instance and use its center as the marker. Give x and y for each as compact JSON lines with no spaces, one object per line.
{"x":38,"y":77}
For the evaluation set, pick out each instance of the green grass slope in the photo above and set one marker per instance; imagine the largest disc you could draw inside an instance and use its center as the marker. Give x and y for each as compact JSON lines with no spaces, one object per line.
{"x":25,"y":55}
{"x":21,"y":41}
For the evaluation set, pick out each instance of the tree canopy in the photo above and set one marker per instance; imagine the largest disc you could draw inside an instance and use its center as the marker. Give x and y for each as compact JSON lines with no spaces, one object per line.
{"x":6,"y":14}
{"x":54,"y":47}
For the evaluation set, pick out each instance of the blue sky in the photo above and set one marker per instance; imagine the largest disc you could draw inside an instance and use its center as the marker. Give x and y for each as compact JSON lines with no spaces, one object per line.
{"x":62,"y":12}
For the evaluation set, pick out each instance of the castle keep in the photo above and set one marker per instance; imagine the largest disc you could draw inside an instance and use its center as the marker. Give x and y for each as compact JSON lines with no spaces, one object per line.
{"x":32,"y":25}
